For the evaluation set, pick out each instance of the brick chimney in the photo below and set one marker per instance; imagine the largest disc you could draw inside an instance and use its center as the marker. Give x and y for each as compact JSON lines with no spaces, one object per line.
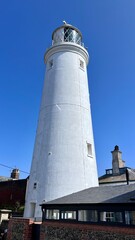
{"x":15,"y":173}
{"x":117,"y":161}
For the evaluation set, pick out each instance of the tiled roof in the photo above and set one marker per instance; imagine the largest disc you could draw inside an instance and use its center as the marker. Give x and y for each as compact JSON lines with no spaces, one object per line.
{"x":104,"y":194}
{"x":110,"y":178}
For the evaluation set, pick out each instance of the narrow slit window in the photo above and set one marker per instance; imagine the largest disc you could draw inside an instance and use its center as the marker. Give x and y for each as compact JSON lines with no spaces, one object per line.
{"x":51,"y":64}
{"x":35,"y":185}
{"x":81,"y":64}
{"x":89,"y":149}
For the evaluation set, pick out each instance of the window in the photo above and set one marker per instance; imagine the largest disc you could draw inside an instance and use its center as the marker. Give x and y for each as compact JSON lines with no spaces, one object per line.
{"x":52,"y":214}
{"x":109,"y":171}
{"x":130,"y":217}
{"x":68,"y":34}
{"x":35,"y":185}
{"x":81,"y":64}
{"x":51,"y":63}
{"x":87,"y":215}
{"x":68,"y":215}
{"x":111,"y":217}
{"x":89,"y":149}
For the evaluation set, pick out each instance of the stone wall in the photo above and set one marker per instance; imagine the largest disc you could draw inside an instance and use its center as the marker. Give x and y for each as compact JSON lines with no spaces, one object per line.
{"x":20,"y":229}
{"x":69,"y":231}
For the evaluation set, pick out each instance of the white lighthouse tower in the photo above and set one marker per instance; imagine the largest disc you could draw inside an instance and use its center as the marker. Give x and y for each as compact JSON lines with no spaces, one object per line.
{"x":64,"y":155}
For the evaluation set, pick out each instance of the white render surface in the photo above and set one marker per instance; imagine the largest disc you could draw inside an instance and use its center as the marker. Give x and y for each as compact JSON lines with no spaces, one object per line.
{"x":61,"y":164}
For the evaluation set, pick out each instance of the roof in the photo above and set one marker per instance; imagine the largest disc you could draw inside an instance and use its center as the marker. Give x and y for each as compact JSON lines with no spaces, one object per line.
{"x":110,"y":178}
{"x":104,"y":194}
{"x":3,"y":179}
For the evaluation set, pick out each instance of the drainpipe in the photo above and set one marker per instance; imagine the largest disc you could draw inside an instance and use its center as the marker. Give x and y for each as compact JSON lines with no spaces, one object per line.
{"x":127,"y":176}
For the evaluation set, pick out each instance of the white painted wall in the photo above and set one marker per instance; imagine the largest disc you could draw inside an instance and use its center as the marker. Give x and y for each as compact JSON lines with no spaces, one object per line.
{"x":61,"y":164}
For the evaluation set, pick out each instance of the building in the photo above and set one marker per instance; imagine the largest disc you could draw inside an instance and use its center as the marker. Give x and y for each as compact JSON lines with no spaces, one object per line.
{"x":97,"y":204}
{"x":119,"y":173}
{"x":64,"y":155}
{"x":106,"y":212}
{"x":12,"y":191}
{"x":64,"y":164}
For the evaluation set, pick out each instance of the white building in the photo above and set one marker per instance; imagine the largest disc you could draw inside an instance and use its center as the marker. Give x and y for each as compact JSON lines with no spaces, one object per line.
{"x":64,"y":155}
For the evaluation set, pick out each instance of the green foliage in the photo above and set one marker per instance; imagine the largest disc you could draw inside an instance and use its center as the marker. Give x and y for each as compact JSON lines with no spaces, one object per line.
{"x":15,"y":208}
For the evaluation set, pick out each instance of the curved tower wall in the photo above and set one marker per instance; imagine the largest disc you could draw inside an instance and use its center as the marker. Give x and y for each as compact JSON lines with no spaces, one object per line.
{"x":64,"y":155}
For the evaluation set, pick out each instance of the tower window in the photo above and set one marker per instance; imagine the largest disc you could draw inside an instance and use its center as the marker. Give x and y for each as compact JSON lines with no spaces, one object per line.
{"x":81,"y":64}
{"x":35,"y":185}
{"x":89,"y":149}
{"x":51,"y":64}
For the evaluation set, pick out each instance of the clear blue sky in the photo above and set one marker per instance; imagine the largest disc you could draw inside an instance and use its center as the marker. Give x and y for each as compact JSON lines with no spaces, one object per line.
{"x":108,"y":28}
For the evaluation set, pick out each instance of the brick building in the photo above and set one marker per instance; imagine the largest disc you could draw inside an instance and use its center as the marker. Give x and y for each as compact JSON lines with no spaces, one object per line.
{"x":100,"y":213}
{"x":12,"y":191}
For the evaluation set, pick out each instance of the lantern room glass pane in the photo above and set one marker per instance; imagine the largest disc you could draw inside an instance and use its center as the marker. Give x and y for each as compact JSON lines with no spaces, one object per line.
{"x":67,"y":34}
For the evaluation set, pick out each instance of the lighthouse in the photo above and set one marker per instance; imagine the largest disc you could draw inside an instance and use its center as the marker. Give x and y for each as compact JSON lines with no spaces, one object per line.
{"x":64,"y":158}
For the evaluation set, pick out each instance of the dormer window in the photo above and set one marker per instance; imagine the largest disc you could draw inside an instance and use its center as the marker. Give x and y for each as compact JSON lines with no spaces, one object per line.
{"x":109,"y":171}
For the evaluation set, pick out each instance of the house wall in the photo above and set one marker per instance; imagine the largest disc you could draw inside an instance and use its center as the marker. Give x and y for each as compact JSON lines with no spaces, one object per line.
{"x":72,"y":231}
{"x":11,"y":192}
{"x":22,"y":229}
